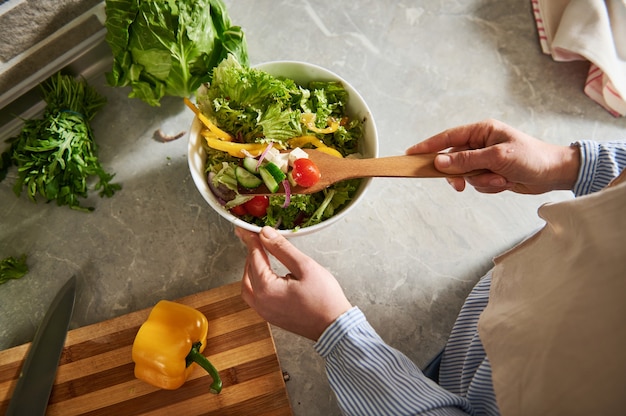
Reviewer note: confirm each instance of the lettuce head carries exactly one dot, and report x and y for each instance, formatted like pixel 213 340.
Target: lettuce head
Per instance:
pixel 169 47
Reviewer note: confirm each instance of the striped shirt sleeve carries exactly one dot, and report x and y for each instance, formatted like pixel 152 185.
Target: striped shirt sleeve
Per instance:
pixel 601 162
pixel 465 369
pixel 371 378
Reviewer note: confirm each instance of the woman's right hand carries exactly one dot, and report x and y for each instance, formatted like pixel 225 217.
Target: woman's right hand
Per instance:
pixel 515 161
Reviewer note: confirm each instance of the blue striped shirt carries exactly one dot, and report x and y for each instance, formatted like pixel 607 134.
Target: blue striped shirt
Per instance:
pixel 601 163
pixel 370 377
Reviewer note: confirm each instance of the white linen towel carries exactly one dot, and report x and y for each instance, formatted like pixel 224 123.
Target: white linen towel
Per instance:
pixel 592 30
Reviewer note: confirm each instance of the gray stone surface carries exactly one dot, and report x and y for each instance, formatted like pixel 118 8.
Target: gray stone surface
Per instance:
pixel 25 23
pixel 407 256
pixel 29 65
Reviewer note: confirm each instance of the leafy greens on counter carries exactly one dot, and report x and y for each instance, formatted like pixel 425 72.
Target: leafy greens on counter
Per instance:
pixel 56 155
pixel 13 268
pixel 169 47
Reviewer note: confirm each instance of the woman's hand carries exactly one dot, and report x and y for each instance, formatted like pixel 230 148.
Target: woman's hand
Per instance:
pixel 517 162
pixel 305 301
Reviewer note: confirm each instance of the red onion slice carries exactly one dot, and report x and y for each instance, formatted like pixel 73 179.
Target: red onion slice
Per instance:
pixel 267 149
pixel 287 193
pixel 222 195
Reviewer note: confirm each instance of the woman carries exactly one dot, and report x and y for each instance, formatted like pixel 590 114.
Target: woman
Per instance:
pixel 309 301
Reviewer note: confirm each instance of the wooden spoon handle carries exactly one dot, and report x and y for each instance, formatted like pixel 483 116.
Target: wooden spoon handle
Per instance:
pixel 409 166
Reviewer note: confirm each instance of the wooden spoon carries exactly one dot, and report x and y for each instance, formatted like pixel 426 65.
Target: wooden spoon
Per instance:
pixel 335 169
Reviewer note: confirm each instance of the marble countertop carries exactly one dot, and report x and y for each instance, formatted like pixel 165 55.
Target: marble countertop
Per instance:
pixel 409 253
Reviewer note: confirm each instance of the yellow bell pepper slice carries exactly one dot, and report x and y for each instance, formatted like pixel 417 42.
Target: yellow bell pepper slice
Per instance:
pixel 167 345
pixel 206 133
pixel 236 149
pixel 302 141
pixel 208 123
pixel 308 119
pixel 330 151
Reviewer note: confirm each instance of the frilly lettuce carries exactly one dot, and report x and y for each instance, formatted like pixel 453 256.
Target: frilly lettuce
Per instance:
pixel 169 47
pixel 252 103
pixel 256 106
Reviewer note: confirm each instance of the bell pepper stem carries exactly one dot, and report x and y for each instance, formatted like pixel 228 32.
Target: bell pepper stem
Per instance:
pixel 195 356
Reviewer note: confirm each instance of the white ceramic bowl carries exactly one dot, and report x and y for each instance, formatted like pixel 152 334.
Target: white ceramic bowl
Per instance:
pixel 301 73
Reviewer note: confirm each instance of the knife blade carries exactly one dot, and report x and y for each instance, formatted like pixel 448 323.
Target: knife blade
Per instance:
pixel 33 387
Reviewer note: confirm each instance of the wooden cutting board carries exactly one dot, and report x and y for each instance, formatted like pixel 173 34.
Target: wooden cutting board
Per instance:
pixel 95 374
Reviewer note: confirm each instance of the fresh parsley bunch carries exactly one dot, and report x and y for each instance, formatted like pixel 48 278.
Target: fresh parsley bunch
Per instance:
pixel 56 155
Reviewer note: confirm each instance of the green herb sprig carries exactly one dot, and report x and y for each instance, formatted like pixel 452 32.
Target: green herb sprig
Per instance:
pixel 12 268
pixel 56 155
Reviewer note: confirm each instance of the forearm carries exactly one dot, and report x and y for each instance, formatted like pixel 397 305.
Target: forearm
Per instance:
pixel 371 378
pixel 601 162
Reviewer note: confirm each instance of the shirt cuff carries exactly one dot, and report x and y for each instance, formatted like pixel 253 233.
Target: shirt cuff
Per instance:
pixel 338 329
pixel 600 163
pixel 588 155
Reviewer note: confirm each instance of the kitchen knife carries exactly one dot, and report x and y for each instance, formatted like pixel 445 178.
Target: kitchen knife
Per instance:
pixel 33 387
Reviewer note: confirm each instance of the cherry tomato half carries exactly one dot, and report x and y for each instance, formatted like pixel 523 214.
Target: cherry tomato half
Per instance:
pixel 257 206
pixel 239 210
pixel 305 172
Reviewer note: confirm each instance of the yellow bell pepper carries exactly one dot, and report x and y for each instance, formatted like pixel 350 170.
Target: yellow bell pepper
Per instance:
pixel 308 119
pixel 168 343
pixel 208 123
pixel 235 149
pixel 302 141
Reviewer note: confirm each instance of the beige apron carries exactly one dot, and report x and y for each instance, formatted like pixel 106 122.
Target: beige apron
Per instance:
pixel 554 329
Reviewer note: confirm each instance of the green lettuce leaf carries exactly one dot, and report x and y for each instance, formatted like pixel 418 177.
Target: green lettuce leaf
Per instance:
pixel 169 47
pixel 252 104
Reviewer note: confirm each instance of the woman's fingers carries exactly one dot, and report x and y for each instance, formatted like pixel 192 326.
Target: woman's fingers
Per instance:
pixel 469 136
pixel 247 293
pixel 285 252
pixel 258 270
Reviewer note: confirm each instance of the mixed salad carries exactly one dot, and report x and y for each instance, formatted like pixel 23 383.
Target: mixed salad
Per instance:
pixel 255 126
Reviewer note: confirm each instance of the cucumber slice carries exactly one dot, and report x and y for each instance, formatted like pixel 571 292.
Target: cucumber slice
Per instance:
pixel 250 164
pixel 247 179
pixel 268 179
pixel 275 171
pixel 292 181
pixel 272 176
